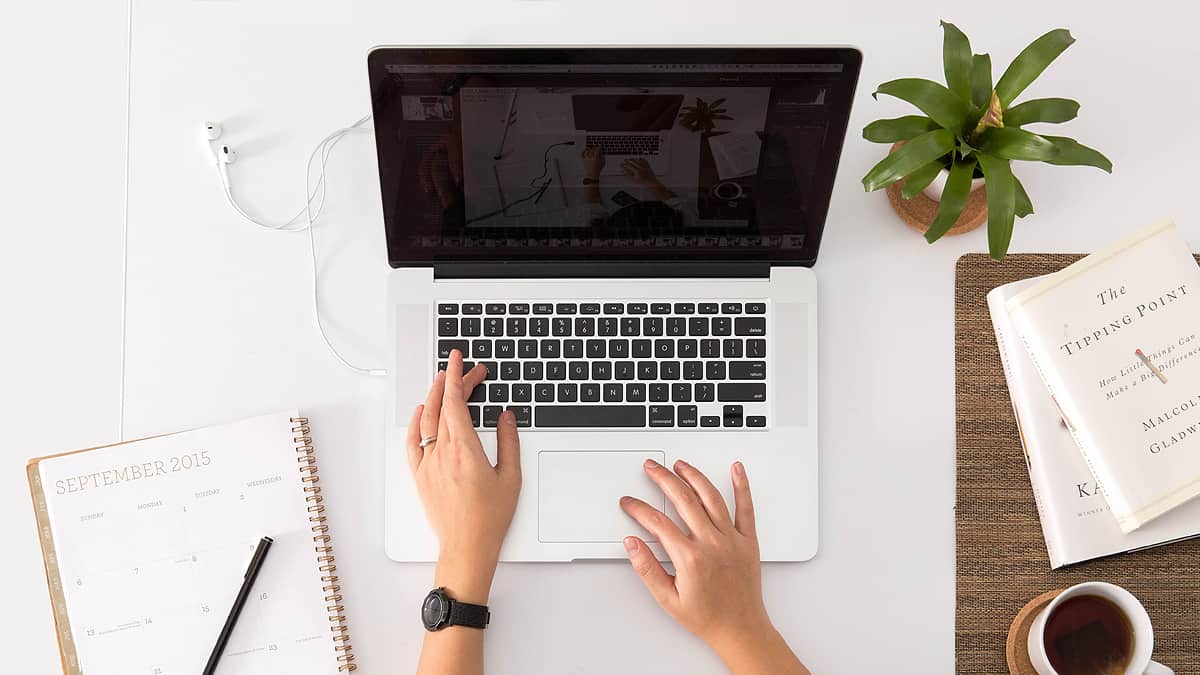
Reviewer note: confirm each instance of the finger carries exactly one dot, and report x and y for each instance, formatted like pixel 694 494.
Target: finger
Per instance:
pixel 743 505
pixel 432 410
pixel 660 584
pixel 473 379
pixel 508 447
pixel 454 403
pixel 710 497
pixel 656 522
pixel 415 453
pixel 682 496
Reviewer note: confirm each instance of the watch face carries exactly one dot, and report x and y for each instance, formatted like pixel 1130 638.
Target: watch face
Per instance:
pixel 433 611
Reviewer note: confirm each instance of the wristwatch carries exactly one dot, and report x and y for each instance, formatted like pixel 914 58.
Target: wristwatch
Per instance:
pixel 440 610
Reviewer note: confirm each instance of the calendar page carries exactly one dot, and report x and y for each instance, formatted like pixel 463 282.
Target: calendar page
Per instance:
pixel 152 539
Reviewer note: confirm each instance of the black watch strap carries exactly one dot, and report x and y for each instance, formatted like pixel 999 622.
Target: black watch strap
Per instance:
pixel 466 614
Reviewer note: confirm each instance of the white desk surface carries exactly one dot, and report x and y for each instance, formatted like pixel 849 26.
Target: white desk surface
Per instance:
pixel 205 319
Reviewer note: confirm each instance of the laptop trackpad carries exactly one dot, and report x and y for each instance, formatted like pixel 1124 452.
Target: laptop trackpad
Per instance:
pixel 579 494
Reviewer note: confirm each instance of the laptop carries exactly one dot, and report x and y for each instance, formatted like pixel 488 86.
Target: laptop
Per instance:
pixel 627 126
pixel 619 322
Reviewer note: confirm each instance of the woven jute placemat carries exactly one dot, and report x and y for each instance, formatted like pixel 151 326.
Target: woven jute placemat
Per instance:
pixel 1001 556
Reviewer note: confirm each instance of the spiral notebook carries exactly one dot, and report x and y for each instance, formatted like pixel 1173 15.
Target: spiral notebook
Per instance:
pixel 145 544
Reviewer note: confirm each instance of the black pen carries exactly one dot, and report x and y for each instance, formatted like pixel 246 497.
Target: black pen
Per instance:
pixel 256 563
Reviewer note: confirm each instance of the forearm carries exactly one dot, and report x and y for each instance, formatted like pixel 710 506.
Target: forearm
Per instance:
pixel 760 652
pixel 458 650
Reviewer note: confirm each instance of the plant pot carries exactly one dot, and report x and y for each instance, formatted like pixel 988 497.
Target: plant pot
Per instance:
pixel 919 212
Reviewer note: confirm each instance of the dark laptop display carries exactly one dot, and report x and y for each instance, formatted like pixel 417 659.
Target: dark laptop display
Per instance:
pixel 517 155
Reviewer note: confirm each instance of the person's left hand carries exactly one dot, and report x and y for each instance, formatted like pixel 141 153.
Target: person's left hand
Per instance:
pixel 639 170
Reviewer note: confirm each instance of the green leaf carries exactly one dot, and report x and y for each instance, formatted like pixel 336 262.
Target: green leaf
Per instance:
pixel 1072 153
pixel 909 157
pixel 956 59
pixel 981 80
pixel 1030 63
pixel 1053 110
pixel 933 99
pixel 1009 143
pixel 898 129
pixel 921 178
pixel 1001 202
pixel 954 198
pixel 1021 204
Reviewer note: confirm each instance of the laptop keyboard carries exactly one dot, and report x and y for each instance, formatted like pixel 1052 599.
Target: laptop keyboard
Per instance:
pixel 617 364
pixel 625 144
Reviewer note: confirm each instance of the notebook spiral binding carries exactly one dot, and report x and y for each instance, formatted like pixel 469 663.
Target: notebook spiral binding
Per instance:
pixel 323 544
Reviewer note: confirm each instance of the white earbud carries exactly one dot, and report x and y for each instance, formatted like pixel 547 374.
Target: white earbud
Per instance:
pixel 212 130
pixel 226 154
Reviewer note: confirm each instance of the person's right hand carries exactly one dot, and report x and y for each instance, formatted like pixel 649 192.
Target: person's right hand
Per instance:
pixel 593 162
pixel 716 592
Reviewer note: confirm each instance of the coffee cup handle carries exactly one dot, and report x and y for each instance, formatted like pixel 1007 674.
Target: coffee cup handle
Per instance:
pixel 1156 668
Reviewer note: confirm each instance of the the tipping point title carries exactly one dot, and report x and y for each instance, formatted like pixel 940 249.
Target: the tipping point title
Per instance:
pixel 1108 297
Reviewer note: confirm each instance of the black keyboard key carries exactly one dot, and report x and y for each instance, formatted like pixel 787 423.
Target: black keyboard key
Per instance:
pixel 442 365
pixel 756 349
pixel 660 392
pixel 523 414
pixel 614 308
pixel 731 348
pixel 589 308
pixel 585 326
pixel 518 308
pixel 572 349
pixel 676 326
pixel 709 308
pixel 731 308
pixel 491 415
pixel 687 415
pixel 698 326
pixel 732 415
pixel 493 327
pixel 566 308
pixel 543 308
pixel 494 308
pixel 681 392
pixel 589 392
pixel 543 393
pixel 471 327
pixel 647 370
pixel 577 370
pixel 669 370
pixel 447 308
pixel 568 392
pixel 481 349
pixel 527 349
pixel 596 349
pixel 493 370
pixel 601 370
pixel 635 392
pixel 515 327
pixel 643 349
pixel 551 349
pixel 756 308
pixel 714 370
pixel 741 391
pixel 748 370
pixel 444 347
pixel 498 393
pixel 693 370
pixel 472 309
pixel 522 392
pixel 710 349
pixel 618 349
pixel 607 326
pixel 705 392
pixel 662 416
pixel 710 421
pixel 560 326
pixel 539 326
pixel 750 325
pixel 553 416
pixel 721 325
pixel 660 308
pixel 686 349
pixel 510 370
pixel 624 370
pixel 533 371
pixel 506 349
pixel 613 392
pixel 664 349
pixel 685 308
pixel 556 370
pixel 652 326
pixel 447 327
pixel 636 308
pixel 476 415
pixel 478 394
pixel 756 421
pixel 631 327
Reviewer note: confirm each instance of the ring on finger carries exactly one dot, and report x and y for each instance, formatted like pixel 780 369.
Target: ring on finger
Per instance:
pixel 427 441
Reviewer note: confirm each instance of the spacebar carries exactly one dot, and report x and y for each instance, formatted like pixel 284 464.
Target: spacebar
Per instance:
pixel 589 416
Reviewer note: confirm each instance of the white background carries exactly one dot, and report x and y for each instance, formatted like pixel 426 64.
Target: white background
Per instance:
pixel 218 324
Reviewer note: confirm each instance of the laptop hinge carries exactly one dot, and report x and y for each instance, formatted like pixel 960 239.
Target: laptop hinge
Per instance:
pixel 573 269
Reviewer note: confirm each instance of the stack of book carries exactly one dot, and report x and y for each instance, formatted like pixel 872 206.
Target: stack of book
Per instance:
pixel 1103 365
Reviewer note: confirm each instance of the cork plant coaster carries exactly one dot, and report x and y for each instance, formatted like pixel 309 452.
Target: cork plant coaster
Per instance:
pixel 1017 646
pixel 919 211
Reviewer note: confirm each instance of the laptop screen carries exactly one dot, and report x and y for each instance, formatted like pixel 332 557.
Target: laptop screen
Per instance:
pixel 549 154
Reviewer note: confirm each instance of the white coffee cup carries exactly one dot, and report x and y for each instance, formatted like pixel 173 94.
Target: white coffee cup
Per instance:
pixel 1143 632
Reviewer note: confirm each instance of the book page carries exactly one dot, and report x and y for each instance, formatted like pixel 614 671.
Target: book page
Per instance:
pixel 153 539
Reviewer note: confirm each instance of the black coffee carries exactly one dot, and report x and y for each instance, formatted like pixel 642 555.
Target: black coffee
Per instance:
pixel 1089 635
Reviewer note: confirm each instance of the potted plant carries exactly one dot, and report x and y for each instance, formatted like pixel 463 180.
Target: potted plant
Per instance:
pixel 972 130
pixel 703 116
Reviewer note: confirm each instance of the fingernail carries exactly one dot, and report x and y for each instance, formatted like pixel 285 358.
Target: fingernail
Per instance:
pixel 508 416
pixel 739 469
pixel 680 462
pixel 650 464
pixel 626 499
pixel 631 545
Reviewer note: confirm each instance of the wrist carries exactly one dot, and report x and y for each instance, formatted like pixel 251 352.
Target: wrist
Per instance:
pixel 466 577
pixel 743 644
